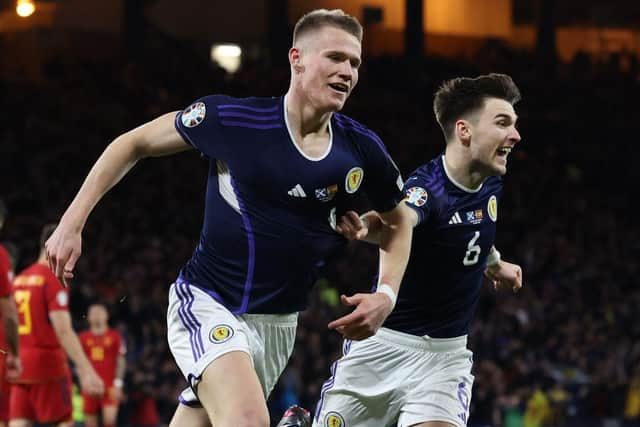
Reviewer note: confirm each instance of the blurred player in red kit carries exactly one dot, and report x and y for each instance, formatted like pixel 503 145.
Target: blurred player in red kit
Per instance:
pixel 9 362
pixel 42 392
pixel 106 350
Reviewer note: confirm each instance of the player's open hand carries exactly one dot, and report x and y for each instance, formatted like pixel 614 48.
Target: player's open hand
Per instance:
pixel 370 313
pixel 505 275
pixel 352 226
pixel 14 367
pixel 63 249
pixel 91 383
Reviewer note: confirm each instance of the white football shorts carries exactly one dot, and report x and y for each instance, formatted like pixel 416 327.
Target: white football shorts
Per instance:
pixel 397 378
pixel 200 329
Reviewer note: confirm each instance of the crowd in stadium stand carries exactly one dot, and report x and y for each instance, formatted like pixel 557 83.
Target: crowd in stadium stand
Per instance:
pixel 565 351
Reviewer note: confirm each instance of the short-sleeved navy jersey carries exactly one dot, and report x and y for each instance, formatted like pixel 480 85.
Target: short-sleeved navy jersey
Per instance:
pixel 268 205
pixel 454 235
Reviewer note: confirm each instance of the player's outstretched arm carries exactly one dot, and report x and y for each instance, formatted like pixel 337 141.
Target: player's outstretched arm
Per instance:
pixel 395 244
pixel 371 310
pixel 156 138
pixel 9 316
pixel 90 382
pixel 118 382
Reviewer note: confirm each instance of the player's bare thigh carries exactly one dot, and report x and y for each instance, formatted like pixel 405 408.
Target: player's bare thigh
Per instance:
pixel 230 393
pixel 109 415
pixel 434 424
pixel 90 420
pixel 23 422
pixel 186 416
pixel 20 422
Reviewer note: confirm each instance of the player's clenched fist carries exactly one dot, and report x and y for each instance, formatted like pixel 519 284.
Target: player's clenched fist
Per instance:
pixel 352 226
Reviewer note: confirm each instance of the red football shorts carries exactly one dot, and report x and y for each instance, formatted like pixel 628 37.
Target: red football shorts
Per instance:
pixel 4 391
pixel 43 402
pixel 4 402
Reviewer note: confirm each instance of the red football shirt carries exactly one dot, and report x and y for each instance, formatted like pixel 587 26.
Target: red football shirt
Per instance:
pixel 38 292
pixel 103 351
pixel 5 291
pixel 5 273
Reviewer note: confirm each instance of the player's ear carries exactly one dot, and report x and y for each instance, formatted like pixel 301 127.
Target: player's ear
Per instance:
pixel 463 131
pixel 295 60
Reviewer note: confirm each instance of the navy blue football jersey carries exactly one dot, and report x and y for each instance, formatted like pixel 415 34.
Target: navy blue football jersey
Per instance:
pixel 454 235
pixel 269 207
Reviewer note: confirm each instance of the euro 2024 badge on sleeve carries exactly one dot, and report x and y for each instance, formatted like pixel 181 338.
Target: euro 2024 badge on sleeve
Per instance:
pixel 417 196
pixel 194 115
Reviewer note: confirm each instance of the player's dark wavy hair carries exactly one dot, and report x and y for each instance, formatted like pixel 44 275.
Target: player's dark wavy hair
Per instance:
pixel 327 18
pixel 463 95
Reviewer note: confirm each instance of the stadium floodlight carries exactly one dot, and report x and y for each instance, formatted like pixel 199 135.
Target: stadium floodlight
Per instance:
pixel 25 8
pixel 228 56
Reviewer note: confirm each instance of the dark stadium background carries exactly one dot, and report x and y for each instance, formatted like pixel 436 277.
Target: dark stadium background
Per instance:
pixel 76 74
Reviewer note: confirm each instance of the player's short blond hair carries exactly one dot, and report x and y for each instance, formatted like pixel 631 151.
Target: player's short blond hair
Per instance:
pixel 320 18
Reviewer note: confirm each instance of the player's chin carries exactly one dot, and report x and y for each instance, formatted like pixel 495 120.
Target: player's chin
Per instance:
pixel 336 105
pixel 495 170
pixel 499 167
pixel 337 101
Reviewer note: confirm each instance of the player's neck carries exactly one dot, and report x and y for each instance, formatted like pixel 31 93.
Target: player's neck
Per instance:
pixel 303 118
pixel 99 330
pixel 42 259
pixel 460 171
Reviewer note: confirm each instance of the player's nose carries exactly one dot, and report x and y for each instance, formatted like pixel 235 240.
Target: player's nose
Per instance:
pixel 346 71
pixel 515 135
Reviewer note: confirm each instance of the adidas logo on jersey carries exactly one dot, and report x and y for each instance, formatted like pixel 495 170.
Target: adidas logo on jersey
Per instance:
pixel 297 191
pixel 455 219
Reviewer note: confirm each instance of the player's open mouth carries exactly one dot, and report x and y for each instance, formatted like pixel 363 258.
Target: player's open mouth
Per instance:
pixel 339 87
pixel 503 151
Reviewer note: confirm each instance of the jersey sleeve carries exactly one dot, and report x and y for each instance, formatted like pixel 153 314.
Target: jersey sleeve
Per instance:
pixel 382 183
pixel 5 273
pixel 122 348
pixel 200 127
pixel 417 197
pixel 56 295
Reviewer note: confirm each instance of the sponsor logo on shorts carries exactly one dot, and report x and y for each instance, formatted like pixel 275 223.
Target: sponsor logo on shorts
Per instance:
pixel 334 419
pixel 417 196
pixel 492 208
pixel 220 334
pixel 194 115
pixel 354 179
